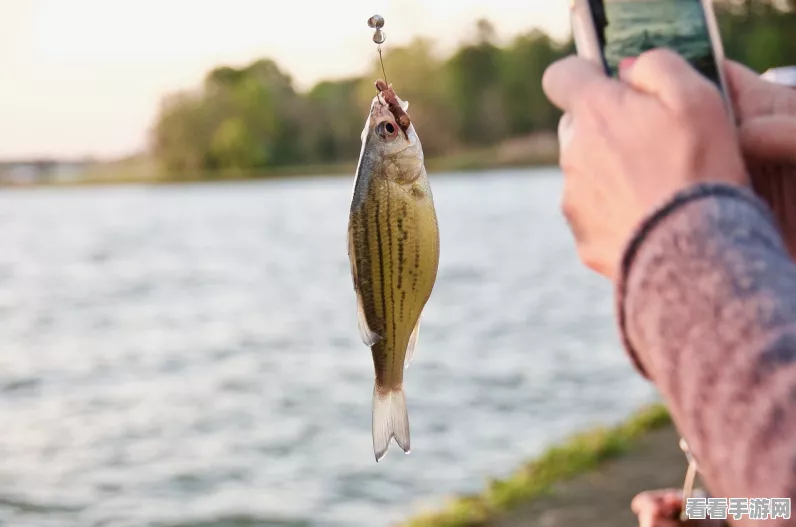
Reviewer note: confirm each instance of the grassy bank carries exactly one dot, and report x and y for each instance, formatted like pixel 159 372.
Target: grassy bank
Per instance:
pixel 582 453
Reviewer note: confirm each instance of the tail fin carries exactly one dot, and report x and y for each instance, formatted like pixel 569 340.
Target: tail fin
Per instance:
pixel 389 420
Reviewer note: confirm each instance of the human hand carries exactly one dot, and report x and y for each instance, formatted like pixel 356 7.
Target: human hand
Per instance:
pixel 627 147
pixel 766 114
pixel 661 508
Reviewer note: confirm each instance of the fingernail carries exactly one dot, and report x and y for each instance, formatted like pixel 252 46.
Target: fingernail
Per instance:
pixel 625 64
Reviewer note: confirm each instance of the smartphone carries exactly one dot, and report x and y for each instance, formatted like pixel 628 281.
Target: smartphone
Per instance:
pixel 607 31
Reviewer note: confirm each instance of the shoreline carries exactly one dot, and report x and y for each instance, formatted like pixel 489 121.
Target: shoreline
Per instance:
pixel 567 480
pixel 539 150
pixel 99 183
pixel 296 173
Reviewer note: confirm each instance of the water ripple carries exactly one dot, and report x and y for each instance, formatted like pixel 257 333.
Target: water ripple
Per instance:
pixel 189 356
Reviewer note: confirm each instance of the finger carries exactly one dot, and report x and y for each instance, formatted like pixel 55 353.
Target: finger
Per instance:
pixel 754 96
pixel 646 519
pixel 737 74
pixel 771 139
pixel 566 131
pixel 664 501
pixel 566 79
pixel 571 206
pixel 645 500
pixel 671 504
pixel 649 519
pixel 568 208
pixel 745 88
pixel 669 77
pixel 658 522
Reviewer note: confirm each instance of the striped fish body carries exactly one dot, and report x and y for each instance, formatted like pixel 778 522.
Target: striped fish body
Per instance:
pixel 393 240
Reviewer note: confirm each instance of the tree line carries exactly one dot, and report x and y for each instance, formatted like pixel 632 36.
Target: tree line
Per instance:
pixel 254 118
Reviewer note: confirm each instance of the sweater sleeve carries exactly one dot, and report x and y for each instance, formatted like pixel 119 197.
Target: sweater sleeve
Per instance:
pixel 706 303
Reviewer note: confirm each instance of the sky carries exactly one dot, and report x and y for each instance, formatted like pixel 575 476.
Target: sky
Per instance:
pixel 85 77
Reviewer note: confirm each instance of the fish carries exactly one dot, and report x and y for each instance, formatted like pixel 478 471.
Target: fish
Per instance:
pixel 393 248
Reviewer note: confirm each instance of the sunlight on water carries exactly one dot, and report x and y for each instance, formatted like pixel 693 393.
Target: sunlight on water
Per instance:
pixel 189 355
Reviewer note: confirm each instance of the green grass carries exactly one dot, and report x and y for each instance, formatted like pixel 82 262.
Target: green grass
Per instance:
pixel 582 453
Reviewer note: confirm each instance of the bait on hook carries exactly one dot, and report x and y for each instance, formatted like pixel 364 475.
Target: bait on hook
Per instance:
pixel 379 36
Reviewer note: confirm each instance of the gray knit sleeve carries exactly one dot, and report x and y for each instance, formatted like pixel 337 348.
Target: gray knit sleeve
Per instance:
pixel 706 302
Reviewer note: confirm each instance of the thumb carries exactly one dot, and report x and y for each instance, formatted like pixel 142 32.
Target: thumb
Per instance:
pixel 568 79
pixel 666 75
pixel 770 138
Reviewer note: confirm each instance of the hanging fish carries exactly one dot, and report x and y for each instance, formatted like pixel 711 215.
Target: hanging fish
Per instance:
pixel 393 246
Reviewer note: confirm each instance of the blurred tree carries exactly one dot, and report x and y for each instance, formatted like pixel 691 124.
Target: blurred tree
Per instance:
pixel 758 33
pixel 336 120
pixel 524 62
pixel 474 76
pixel 182 134
pixel 418 78
pixel 243 118
pixel 252 117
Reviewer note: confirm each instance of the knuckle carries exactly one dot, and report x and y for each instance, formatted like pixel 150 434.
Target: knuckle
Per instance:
pixel 569 160
pixel 567 207
pixel 588 257
pixel 571 211
pixel 566 133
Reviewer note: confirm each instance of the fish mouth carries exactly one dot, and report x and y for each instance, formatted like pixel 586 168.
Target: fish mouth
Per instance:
pixel 388 98
pixel 380 111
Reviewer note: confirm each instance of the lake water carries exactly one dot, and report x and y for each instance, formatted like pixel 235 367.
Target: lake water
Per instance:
pixel 189 355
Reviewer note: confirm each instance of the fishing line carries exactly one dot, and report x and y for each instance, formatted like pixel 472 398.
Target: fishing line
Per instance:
pixel 381 60
pixel 379 36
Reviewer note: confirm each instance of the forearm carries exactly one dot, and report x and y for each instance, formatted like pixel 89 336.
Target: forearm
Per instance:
pixel 707 308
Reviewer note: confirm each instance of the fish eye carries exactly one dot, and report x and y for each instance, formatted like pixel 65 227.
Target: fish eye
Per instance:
pixel 387 130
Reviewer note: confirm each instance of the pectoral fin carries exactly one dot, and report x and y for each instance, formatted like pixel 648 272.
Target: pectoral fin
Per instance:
pixel 410 349
pixel 369 337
